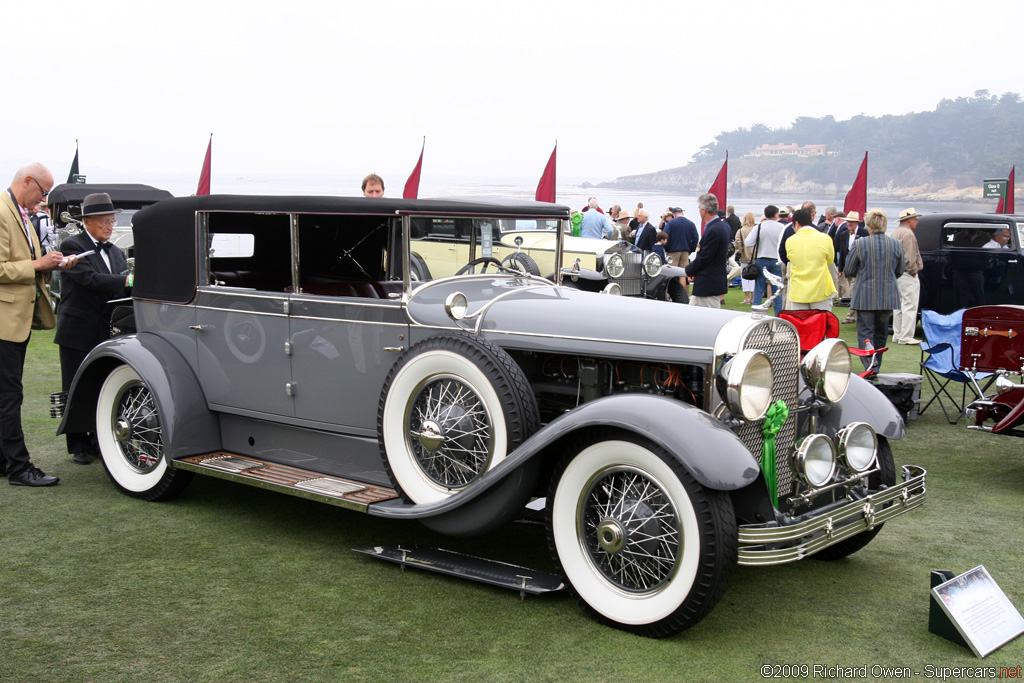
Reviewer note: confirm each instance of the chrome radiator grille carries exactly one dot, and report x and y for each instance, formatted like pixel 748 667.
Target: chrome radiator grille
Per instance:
pixel 632 280
pixel 780 341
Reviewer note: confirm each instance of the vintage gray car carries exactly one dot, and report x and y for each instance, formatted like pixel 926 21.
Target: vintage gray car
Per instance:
pixel 284 342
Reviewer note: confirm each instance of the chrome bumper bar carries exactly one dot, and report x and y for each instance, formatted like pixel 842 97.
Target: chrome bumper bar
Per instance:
pixel 772 544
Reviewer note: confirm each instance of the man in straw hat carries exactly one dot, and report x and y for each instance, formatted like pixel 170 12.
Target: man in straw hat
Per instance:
pixel 845 237
pixel 83 317
pixel 23 271
pixel 904 318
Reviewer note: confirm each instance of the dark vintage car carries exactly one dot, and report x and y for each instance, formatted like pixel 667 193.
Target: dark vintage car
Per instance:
pixel 129 197
pixel 970 259
pixel 284 343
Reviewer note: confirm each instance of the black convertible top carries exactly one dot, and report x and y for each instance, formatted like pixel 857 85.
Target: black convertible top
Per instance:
pixel 124 195
pixel 165 233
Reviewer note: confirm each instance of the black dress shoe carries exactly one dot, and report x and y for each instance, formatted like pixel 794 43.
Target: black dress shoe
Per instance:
pixel 33 476
pixel 82 459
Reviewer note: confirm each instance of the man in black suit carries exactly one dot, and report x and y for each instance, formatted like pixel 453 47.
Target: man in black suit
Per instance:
pixel 707 268
pixel 83 319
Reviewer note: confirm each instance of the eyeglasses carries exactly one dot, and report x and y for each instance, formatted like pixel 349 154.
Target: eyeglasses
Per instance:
pixel 45 192
pixel 106 222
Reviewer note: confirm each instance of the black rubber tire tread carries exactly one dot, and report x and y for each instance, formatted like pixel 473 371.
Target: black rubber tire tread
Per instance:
pixel 419 267
pixel 170 485
pixel 886 475
pixel 719 541
pixel 524 260
pixel 675 291
pixel 522 415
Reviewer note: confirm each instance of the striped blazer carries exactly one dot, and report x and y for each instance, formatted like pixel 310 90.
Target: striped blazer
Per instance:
pixel 876 261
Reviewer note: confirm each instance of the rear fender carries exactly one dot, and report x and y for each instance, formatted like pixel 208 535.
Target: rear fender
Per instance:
pixel 189 428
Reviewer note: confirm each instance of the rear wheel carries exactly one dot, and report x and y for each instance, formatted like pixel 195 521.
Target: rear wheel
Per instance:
pixel 130 436
pixel 886 475
pixel 645 548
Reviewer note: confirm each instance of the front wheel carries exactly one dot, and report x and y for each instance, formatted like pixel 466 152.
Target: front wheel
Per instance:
pixel 130 436
pixel 676 292
pixel 645 548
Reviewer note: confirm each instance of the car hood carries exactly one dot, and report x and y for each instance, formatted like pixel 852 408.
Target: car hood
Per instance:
pixel 521 314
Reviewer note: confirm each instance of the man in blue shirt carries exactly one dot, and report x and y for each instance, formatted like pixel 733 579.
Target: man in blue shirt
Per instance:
pixel 595 224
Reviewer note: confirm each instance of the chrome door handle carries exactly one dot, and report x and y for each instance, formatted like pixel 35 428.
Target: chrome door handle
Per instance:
pixel 197 328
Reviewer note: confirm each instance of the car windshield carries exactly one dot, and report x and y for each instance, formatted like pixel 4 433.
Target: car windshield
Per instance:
pixel 446 246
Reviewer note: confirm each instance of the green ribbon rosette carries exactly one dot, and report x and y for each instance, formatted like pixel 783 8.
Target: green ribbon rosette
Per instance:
pixel 773 422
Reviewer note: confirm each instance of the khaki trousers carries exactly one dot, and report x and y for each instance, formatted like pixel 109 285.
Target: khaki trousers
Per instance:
pixel 904 319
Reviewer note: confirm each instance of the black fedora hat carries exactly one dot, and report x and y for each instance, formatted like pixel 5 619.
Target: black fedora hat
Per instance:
pixel 98 204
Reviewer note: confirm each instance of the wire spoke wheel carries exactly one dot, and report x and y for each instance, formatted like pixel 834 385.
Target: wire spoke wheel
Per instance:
pixel 631 529
pixel 644 547
pixel 131 438
pixel 136 427
pixel 450 432
pixel 452 408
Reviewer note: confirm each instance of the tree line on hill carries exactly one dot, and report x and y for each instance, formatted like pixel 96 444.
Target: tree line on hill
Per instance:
pixel 961 142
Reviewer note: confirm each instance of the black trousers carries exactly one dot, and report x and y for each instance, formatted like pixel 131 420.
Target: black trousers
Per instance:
pixel 13 452
pixel 70 360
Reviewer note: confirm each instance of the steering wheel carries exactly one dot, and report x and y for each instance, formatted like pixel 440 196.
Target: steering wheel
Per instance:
pixel 486 261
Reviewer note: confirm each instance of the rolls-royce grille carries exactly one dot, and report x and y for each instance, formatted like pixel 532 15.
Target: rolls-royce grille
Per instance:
pixel 632 280
pixel 780 341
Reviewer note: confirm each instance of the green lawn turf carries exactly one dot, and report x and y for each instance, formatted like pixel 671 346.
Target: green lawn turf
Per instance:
pixel 231 583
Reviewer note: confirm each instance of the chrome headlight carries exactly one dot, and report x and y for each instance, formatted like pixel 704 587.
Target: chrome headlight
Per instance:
pixel 826 369
pixel 857 446
pixel 612 288
pixel 456 305
pixel 652 264
pixel 614 267
pixel 814 460
pixel 745 384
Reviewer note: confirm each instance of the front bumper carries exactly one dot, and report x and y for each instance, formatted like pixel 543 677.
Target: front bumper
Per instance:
pixel 762 544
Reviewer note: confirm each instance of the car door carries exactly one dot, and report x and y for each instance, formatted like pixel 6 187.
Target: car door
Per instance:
pixel 242 325
pixel 347 323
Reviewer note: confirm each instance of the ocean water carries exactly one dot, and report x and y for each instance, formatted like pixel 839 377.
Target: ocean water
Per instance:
pixel 568 192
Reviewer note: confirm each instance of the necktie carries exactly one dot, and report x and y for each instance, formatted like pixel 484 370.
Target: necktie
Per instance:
pixel 105 246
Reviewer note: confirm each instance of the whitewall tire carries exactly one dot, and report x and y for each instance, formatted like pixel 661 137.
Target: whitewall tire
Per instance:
pixel 644 547
pixel 130 436
pixel 452 408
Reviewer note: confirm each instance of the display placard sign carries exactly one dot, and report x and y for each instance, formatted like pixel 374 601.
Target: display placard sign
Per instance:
pixel 980 610
pixel 995 188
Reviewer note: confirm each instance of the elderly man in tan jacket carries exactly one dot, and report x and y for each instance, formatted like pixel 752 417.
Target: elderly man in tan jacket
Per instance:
pixel 23 267
pixel 904 318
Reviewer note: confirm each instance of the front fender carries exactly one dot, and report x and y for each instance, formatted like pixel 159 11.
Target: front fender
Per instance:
pixel 865 403
pixel 709 451
pixel 189 428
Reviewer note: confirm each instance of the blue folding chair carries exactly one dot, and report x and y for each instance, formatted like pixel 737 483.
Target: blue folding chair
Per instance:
pixel 940 363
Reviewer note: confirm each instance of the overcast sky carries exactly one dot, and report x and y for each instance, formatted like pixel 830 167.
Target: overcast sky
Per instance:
pixel 348 88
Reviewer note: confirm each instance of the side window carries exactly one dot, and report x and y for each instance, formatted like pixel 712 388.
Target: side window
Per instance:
pixel 345 255
pixel 249 251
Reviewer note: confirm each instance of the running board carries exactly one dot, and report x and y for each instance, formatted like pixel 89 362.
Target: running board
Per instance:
pixel 522 579
pixel 345 493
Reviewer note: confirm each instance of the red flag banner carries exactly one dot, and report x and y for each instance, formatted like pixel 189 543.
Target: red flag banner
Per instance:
pixel 204 176
pixel 718 187
pixel 857 197
pixel 412 185
pixel 546 186
pixel 1006 204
